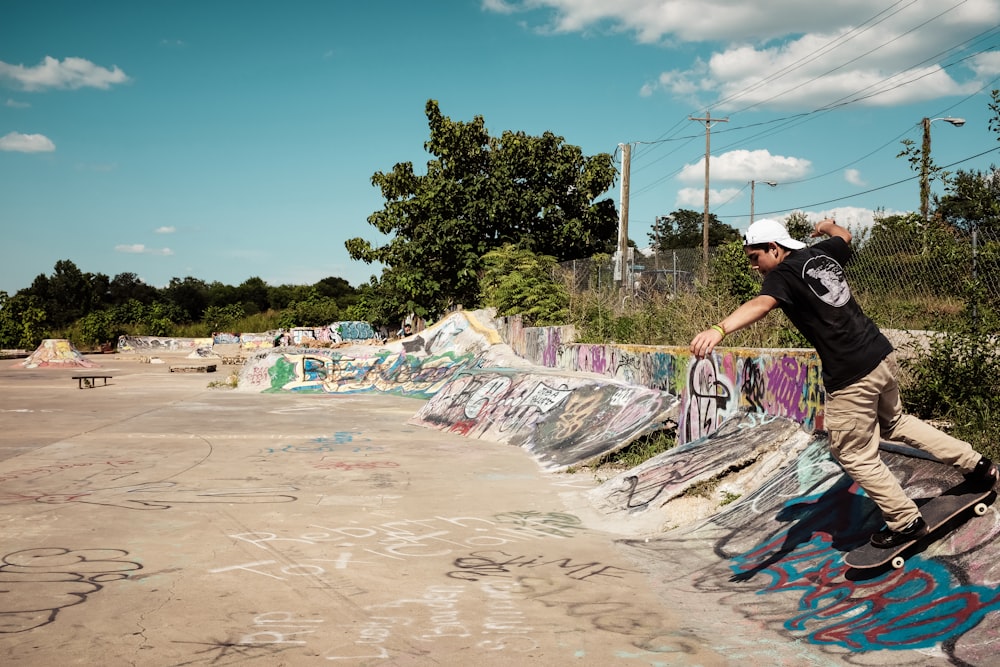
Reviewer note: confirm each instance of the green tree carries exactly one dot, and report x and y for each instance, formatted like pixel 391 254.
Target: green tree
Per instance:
pixel 731 272
pixel 128 286
pixel 69 293
pixel 684 228
pixel 313 311
pixel 252 294
pixel 280 296
pixel 189 295
pixel 98 326
pixel 223 318
pixel 22 321
pixel 478 193
pixel 971 200
pixel 798 226
pixel 517 281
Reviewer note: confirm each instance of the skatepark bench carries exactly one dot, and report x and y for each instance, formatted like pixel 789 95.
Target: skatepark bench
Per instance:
pixel 89 380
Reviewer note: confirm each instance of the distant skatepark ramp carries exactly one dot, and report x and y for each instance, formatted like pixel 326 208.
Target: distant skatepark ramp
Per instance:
pixel 57 353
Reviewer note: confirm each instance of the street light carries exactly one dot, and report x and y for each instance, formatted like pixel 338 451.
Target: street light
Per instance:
pixel 925 162
pixel 752 187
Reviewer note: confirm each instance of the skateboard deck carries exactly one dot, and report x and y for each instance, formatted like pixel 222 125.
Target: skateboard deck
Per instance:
pixel 936 512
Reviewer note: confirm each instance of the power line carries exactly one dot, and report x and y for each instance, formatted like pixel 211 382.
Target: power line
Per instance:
pixel 864 192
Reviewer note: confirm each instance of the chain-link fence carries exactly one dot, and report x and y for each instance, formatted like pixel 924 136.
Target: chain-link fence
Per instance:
pixel 928 278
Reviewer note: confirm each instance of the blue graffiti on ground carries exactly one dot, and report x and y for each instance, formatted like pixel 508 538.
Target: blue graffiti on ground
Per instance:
pixel 920 605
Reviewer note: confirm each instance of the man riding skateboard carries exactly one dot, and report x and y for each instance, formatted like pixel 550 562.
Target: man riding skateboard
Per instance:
pixel 859 369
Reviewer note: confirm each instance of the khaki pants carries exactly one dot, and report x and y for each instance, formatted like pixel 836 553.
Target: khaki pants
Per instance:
pixel 869 410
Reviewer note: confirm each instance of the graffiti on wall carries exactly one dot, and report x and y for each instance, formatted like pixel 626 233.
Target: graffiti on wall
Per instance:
pixel 329 372
pixel 563 421
pixel 712 389
pixel 161 343
pixel 738 442
pixel 783 384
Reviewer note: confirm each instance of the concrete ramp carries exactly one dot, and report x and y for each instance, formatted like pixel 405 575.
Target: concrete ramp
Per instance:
pixel 775 557
pixel 741 456
pixel 416 366
pixel 336 371
pixel 562 420
pixel 57 353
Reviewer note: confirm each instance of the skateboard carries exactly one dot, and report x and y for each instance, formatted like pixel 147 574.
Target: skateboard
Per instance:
pixel 936 512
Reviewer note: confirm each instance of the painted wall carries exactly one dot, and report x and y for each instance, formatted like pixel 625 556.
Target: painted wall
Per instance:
pixel 782 383
pixel 161 343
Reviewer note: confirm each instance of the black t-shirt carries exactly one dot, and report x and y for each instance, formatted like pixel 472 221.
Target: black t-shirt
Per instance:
pixel 812 290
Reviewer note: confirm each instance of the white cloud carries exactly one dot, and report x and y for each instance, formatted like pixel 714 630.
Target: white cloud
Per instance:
pixel 140 249
pixel 14 104
pixel 851 217
pixel 744 166
pixel 853 176
pixel 694 198
pixel 789 54
pixel 987 64
pixel 26 143
pixel 70 73
pixel 166 229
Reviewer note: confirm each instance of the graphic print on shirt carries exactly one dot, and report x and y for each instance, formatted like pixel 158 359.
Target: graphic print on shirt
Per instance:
pixel 826 279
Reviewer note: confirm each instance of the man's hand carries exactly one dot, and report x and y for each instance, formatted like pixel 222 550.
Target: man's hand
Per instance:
pixel 829 227
pixel 703 344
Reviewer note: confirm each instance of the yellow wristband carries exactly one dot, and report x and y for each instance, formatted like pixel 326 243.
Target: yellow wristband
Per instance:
pixel 718 327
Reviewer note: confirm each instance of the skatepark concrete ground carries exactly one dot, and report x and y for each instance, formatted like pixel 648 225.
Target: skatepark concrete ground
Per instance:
pixel 160 521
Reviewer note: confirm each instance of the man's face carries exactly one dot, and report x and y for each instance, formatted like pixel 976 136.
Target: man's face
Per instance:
pixel 764 260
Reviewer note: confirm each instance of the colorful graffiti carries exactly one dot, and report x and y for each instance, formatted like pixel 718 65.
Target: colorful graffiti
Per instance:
pixel 563 421
pixel 789 537
pixel 330 372
pixel 353 330
pixel 713 389
pixel 740 441
pixel 157 343
pixel 782 383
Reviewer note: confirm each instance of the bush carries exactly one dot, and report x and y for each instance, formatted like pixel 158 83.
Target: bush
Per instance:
pixel 958 381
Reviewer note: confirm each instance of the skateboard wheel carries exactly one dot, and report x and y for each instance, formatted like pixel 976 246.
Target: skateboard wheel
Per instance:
pixel 898 562
pixel 980 509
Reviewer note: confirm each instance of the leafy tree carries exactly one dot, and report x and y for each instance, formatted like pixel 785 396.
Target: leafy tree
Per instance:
pixel 334 288
pixel 798 226
pixel 128 286
pixel 223 318
pixel 971 200
pixel 684 228
pixel 98 327
pixel 68 293
pixel 130 312
pixel 189 295
pixel 517 281
pixel 732 274
pixel 313 311
pixel 478 193
pixel 22 321
pixel 252 293
pixel 280 296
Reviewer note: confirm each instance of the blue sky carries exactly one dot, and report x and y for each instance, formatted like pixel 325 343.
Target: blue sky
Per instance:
pixel 230 139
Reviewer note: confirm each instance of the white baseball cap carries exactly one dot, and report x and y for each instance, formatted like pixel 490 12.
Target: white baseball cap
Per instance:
pixel 767 230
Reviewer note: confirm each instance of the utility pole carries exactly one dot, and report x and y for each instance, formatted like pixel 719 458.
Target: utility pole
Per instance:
pixel 707 120
pixel 925 163
pixel 753 185
pixel 623 219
